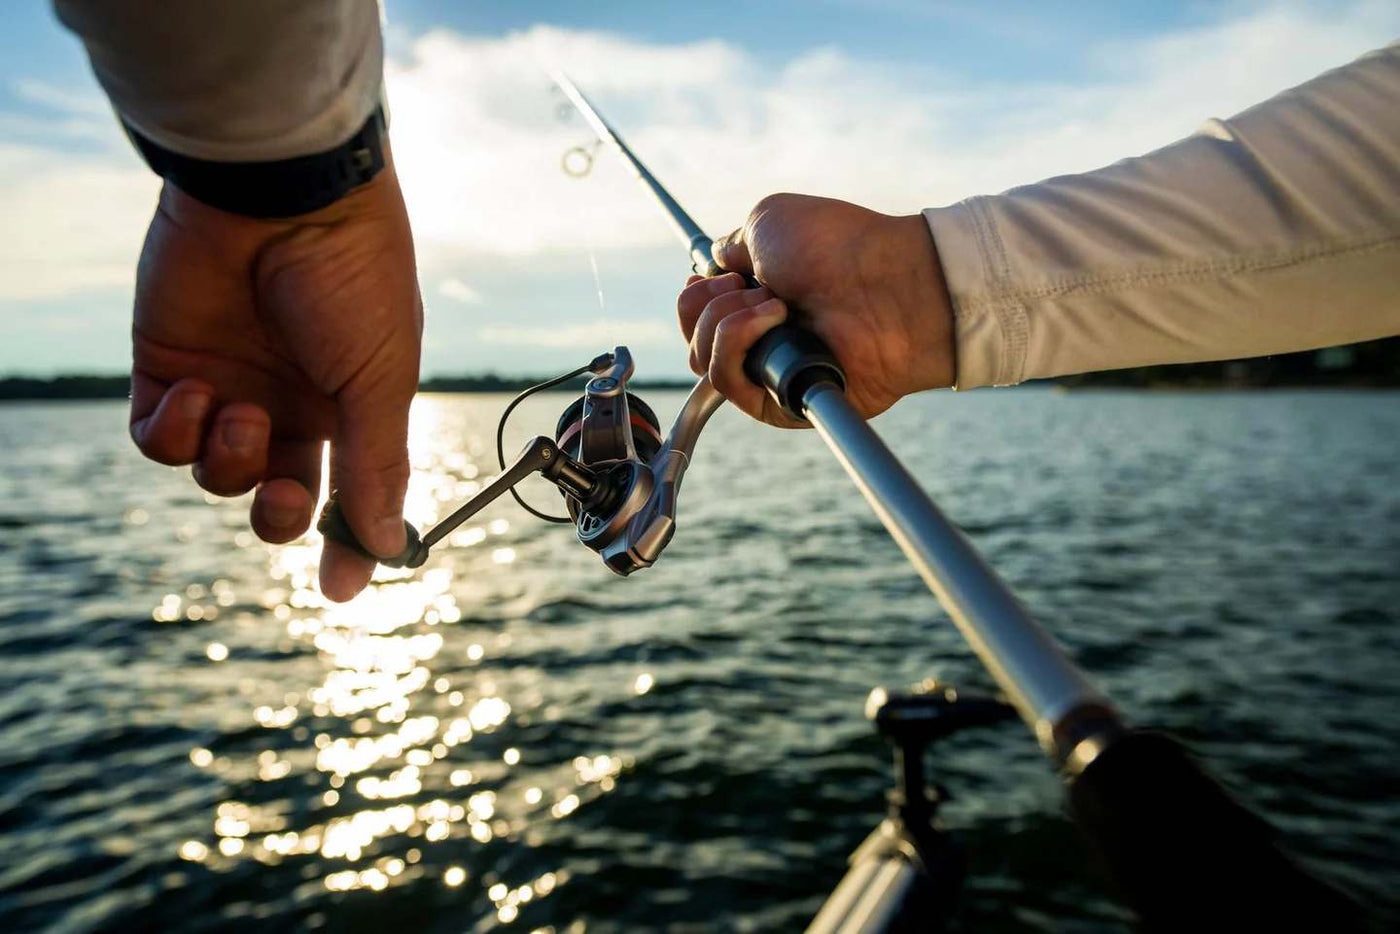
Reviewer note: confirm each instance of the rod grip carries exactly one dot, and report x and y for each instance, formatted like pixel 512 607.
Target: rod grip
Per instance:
pixel 336 528
pixel 788 360
pixel 1189 857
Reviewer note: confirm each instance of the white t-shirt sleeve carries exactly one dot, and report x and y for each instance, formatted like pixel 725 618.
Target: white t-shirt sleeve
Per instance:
pixel 235 80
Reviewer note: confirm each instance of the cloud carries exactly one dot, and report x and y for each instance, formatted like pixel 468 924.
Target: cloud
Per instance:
pixel 75 222
pixel 479 143
pixel 87 102
pixel 459 291
pixel 601 333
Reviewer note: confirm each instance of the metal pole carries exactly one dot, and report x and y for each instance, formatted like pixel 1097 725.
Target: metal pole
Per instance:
pixel 1043 684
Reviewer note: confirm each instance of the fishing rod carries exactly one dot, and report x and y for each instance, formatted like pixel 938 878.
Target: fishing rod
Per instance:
pixel 1185 855
pixel 1182 850
pixel 806 381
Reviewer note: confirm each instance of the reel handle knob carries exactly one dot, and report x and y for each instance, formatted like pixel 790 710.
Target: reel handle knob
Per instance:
pixel 540 456
pixel 788 360
pixel 336 528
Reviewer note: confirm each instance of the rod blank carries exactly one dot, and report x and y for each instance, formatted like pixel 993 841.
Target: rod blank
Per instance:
pixel 1042 683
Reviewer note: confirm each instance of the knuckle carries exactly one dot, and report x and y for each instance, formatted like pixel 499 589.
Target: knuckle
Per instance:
pixel 724 327
pixel 160 450
pixel 707 322
pixel 385 474
pixel 393 474
pixel 722 381
pixel 221 483
pixel 770 204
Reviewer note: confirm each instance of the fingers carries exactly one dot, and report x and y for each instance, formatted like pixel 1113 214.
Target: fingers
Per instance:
pixel 167 422
pixel 343 573
pixel 234 455
pixel 732 252
pixel 369 463
pixel 180 424
pixel 716 311
pixel 698 292
pixel 734 336
pixel 284 504
pixel 369 473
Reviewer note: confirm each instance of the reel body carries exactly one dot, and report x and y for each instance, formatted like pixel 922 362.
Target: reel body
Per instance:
pixel 619 476
pixel 614 433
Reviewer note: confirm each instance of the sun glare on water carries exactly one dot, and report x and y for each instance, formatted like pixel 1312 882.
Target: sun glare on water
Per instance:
pixel 375 770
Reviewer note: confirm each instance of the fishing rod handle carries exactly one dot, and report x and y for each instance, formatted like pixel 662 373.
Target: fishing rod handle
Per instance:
pixel 1186 855
pixel 336 528
pixel 788 361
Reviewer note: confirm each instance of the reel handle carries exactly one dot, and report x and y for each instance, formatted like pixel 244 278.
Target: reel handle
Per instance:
pixel 336 528
pixel 540 456
pixel 788 360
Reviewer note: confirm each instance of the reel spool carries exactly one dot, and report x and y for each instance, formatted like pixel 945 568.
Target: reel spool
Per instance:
pixel 646 428
pixel 621 475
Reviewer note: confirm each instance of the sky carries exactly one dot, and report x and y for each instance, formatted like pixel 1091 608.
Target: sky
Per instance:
pixel 894 104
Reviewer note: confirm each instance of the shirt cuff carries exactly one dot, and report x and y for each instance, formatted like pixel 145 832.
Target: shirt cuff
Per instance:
pixel 989 322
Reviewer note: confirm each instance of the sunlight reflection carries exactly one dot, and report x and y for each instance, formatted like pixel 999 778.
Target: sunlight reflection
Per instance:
pixel 378 753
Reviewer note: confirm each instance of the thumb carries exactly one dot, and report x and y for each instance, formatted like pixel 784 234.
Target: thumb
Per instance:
pixel 369 464
pixel 731 253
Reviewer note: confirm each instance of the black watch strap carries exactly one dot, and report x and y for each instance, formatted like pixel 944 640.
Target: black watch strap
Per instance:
pixel 281 188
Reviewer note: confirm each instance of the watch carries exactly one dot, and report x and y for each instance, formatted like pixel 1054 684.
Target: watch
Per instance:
pixel 275 189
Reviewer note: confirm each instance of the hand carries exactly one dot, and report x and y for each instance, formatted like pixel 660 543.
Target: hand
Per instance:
pixel 255 341
pixel 870 285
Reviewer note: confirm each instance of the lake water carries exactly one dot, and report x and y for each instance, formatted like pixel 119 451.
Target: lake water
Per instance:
pixel 515 740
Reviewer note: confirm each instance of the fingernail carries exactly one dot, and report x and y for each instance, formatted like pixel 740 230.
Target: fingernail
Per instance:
pixel 281 516
pixel 389 535
pixel 193 405
pixel 771 309
pixel 242 437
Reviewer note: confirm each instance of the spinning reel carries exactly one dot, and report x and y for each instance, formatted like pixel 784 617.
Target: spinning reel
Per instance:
pixel 618 475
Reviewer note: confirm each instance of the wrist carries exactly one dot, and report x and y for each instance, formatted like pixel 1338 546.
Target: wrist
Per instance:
pixel 916 292
pixel 276 189
pixel 374 197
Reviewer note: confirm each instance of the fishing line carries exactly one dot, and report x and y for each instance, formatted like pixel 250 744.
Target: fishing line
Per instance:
pixel 596 364
pixel 593 265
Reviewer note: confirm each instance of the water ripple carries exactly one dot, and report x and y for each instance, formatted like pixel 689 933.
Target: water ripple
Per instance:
pixel 193 741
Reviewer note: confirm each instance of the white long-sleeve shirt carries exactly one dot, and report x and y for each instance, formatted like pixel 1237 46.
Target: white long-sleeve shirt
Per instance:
pixel 1275 230
pixel 235 80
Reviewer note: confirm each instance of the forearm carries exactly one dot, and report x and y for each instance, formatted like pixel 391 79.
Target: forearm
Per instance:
pixel 235 80
pixel 1276 230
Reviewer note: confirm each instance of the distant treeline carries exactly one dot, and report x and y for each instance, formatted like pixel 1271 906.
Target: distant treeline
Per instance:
pixel 1372 365
pixel 14 388
pixel 493 383
pixel 1375 364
